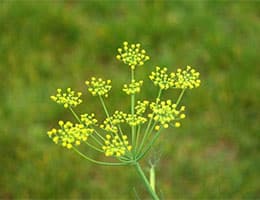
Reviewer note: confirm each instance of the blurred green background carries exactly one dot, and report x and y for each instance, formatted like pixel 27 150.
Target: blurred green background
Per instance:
pixel 49 44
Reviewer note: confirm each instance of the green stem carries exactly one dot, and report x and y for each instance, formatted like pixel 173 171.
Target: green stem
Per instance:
pixel 75 115
pixel 133 112
pixel 100 136
pixel 149 124
pixel 93 147
pixel 149 146
pixel 96 140
pixel 180 97
pixel 138 135
pixel 106 111
pixel 104 105
pixel 146 182
pixel 149 135
pixel 100 162
pixel 152 177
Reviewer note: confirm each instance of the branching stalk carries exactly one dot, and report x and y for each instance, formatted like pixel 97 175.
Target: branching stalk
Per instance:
pixel 146 182
pixel 100 162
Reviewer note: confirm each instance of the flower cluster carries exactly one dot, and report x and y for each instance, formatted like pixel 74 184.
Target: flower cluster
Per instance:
pixel 109 136
pixel 99 87
pixel 69 134
pixel 164 112
pixel 132 55
pixel 133 87
pixel 116 146
pixel 182 79
pixel 187 78
pixel 111 122
pixel 88 120
pixel 135 120
pixel 162 79
pixel 107 126
pixel 117 118
pixel 141 107
pixel 69 98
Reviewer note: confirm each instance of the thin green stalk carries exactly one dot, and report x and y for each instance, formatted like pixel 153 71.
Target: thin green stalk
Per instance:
pixel 149 124
pixel 104 105
pixel 124 159
pixel 149 146
pixel 138 134
pixel 96 140
pixel 148 135
pixel 133 112
pixel 93 147
pixel 146 182
pixel 152 128
pixel 107 113
pixel 75 115
pixel 100 136
pixel 133 127
pixel 152 177
pixel 180 97
pixel 100 162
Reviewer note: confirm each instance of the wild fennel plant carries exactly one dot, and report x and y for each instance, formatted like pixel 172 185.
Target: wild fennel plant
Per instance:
pixel 145 120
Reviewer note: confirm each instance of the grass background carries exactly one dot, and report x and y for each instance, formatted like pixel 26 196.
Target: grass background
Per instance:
pixel 49 44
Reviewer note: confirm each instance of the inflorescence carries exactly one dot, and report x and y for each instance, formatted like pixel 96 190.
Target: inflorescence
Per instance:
pixel 116 146
pixel 182 79
pixel 70 134
pixel 132 55
pixel 165 112
pixel 99 87
pixel 162 79
pixel 109 135
pixel 69 99
pixel 133 87
pixel 187 78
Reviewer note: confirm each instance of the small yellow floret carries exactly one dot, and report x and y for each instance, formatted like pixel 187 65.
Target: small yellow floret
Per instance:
pixel 61 122
pixel 182 116
pixel 165 126
pixel 157 127
pixel 177 124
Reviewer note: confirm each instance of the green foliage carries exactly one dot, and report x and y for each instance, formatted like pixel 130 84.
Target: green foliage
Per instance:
pixel 46 45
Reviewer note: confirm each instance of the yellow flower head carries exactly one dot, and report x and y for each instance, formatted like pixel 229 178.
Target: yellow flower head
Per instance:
pixel 88 120
pixel 69 98
pixel 141 107
pixel 69 134
pixel 187 78
pixel 116 146
pixel 165 112
pixel 162 79
pixel 132 55
pixel 110 123
pixel 133 87
pixel 135 120
pixel 99 87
